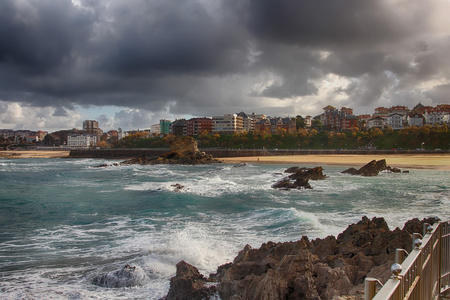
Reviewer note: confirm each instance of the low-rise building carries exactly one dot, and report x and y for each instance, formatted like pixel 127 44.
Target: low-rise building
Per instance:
pixel 415 119
pixel 395 121
pixel 273 125
pixel 81 140
pixel 376 122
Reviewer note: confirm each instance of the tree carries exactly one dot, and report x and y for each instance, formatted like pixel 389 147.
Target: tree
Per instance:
pixel 300 122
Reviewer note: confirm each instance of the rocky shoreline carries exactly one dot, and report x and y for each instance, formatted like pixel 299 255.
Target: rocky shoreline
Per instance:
pixel 329 268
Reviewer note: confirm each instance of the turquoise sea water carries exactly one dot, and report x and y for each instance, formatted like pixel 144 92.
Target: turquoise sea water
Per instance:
pixel 63 222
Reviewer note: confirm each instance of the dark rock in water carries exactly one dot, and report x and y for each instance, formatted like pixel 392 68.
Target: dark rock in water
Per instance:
pixel 177 187
pixel 315 173
pixel 370 169
pixel 188 283
pixel 318 269
pixel 299 178
pixel 351 171
pixel 126 277
pixel 405 171
pixel 240 165
pixel 396 170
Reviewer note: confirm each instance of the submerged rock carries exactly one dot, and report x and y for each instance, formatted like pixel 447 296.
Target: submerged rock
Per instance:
pixel 126 277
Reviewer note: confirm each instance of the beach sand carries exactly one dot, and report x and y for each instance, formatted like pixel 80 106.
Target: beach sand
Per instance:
pixel 34 154
pixel 410 161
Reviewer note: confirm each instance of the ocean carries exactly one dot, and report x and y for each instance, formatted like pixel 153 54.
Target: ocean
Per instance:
pixel 63 222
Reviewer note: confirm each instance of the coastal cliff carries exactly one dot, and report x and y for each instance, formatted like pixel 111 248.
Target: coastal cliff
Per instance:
pixel 329 268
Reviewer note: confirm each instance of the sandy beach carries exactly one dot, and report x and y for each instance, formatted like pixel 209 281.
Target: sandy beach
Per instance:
pixel 34 154
pixel 410 161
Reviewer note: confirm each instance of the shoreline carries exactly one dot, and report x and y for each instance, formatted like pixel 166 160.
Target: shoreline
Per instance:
pixel 438 161
pixel 409 161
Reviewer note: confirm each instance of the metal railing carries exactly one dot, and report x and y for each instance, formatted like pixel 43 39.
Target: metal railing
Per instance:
pixel 423 274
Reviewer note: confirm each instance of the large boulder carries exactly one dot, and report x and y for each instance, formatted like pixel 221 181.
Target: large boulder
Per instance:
pixel 299 178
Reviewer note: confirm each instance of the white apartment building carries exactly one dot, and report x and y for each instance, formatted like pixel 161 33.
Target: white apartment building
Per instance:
pixel 229 123
pixel 415 120
pixel 376 122
pixel 81 140
pixel 156 129
pixel 395 121
pixel 433 116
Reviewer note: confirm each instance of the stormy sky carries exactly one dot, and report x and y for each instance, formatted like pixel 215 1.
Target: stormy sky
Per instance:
pixel 130 63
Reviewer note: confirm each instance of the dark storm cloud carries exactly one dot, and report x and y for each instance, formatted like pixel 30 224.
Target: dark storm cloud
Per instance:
pixel 332 23
pixel 206 55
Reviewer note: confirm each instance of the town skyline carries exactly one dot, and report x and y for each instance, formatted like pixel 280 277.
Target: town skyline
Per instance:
pixel 382 117
pixel 127 64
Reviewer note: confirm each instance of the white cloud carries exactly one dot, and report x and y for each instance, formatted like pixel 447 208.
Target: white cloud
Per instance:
pixel 15 115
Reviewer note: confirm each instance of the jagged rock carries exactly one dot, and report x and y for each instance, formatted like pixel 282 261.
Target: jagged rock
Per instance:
pixel 183 150
pixel 126 277
pixel 188 283
pixel 299 178
pixel 329 268
pixel 370 169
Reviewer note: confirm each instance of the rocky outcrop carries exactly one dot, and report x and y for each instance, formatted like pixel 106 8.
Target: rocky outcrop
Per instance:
pixel 188 283
pixel 183 150
pixel 371 169
pixel 299 178
pixel 318 269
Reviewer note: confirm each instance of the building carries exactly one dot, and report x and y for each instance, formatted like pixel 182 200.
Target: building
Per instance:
pixel 395 121
pixel 32 139
pixel 81 140
pixel 249 122
pixel 196 126
pixel 376 122
pixel 155 129
pixel 229 123
pixel 121 133
pixel 178 127
pixel 91 127
pixel 381 112
pixel 164 126
pixel 274 125
pixel 308 121
pixel 398 109
pixel 333 119
pixel 415 119
pixel 434 116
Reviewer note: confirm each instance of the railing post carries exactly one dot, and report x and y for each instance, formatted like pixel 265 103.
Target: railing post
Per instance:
pixel 400 255
pixel 370 288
